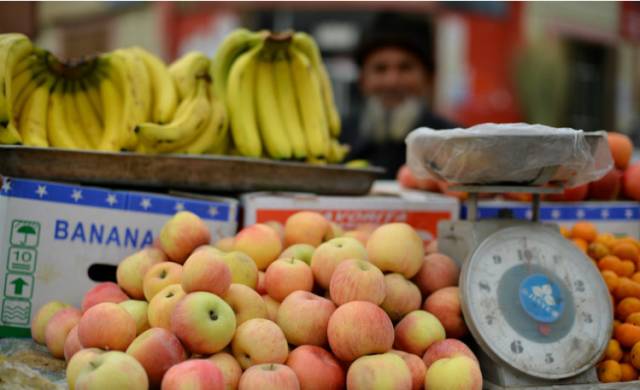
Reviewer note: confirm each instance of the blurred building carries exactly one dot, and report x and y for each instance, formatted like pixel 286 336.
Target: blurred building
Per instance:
pixel 560 63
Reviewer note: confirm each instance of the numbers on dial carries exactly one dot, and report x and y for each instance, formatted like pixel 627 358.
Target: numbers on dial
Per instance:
pixel 484 286
pixel 548 358
pixel 586 317
pixel 490 318
pixel 516 347
pixel 497 259
pixel 579 285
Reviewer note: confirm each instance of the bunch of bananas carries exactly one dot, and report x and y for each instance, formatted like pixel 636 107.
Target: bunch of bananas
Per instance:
pixel 279 97
pixel 127 99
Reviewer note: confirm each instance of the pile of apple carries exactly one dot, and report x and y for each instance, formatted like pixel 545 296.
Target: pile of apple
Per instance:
pixel 299 306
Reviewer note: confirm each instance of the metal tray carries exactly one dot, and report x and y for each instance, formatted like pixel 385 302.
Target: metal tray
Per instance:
pixel 182 172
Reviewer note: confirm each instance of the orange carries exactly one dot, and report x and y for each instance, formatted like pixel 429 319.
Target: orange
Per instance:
pixel 625 250
pixel 626 307
pixel 636 277
pixel 581 244
pixel 584 230
pixel 629 373
pixel 611 263
pixel 621 148
pixel 627 268
pixel 635 355
pixel 565 232
pixel 633 318
pixel 626 357
pixel 613 351
pixel 607 239
pixel 609 371
pixel 627 335
pixel 626 288
pixel 597 250
pixel 611 279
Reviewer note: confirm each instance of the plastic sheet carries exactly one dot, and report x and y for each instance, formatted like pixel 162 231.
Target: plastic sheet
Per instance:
pixel 515 153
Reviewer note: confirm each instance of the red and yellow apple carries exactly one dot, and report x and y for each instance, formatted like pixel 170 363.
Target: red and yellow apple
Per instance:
pixel 357 280
pixel 327 256
pixel 260 242
pixel 243 269
pixel 139 311
pixel 417 331
pixel 285 276
pixel 416 367
pixel 229 367
pixel 206 271
pixel 200 374
pixel 396 247
pixel 437 271
pixel 269 376
pixel 103 292
pixel 458 372
pixel 401 296
pixel 304 318
pixel 157 350
pixel 112 370
pixel 259 341
pixel 107 326
pixel 316 368
pixel 183 233
pixel 58 328
pixel 131 270
pixel 42 317
pixel 445 304
pixel 160 276
pixel 306 227
pixel 382 371
pixel 245 302
pixel 162 305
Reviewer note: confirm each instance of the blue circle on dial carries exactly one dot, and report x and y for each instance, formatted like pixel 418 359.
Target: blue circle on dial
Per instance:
pixel 541 298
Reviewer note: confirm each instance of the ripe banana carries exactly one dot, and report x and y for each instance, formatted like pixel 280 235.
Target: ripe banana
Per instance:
pixel 74 125
pixel 163 89
pixel 13 49
pixel 207 139
pixel 187 70
pixel 58 132
pixel 337 151
pixel 221 142
pixel 237 42
pixel 21 79
pixel 270 119
pixel 191 117
pixel 91 85
pixel 240 103
pixel 115 101
pixel 309 94
pixel 89 119
pixel 288 104
pixel 306 44
pixel 32 122
pixel 39 75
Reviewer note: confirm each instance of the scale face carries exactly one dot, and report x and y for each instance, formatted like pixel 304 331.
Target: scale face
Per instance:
pixel 536 303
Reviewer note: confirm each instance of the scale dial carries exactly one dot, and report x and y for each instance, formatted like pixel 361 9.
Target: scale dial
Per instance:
pixel 535 303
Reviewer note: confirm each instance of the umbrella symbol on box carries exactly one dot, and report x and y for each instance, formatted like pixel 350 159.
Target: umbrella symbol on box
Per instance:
pixel 26 230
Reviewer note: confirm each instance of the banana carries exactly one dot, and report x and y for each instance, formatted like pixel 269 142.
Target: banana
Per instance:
pixel 221 143
pixel 270 122
pixel 240 103
pixel 89 118
pixel 39 74
pixel 32 122
pixel 211 134
pixel 163 89
pixel 305 43
pixel 21 80
pixel 187 70
pixel 116 93
pixel 74 125
pixel 58 132
pixel 288 105
pixel 337 151
pixel 190 118
pixel 236 43
pixel 13 49
pixel 309 94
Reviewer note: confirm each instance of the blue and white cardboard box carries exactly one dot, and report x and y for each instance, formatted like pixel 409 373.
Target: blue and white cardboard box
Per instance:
pixel 52 236
pixel 620 218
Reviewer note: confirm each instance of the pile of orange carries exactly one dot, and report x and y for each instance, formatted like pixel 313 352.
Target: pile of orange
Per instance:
pixel 618 259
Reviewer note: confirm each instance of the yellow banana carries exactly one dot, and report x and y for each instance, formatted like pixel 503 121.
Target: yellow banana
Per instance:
pixel 270 121
pixel 164 93
pixel 33 118
pixel 13 49
pixel 117 106
pixel 191 116
pixel 305 43
pixel 221 142
pixel 309 94
pixel 74 124
pixel 240 103
pixel 22 79
pixel 337 151
pixel 91 86
pixel 187 70
pixel 141 83
pixel 288 105
pixel 89 118
pixel 58 132
pixel 207 139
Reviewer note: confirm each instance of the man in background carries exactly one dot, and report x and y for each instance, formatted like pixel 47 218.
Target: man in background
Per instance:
pixel 397 67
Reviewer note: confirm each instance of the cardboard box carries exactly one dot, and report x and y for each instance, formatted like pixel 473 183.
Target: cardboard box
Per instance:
pixel 419 209
pixel 55 237
pixel 620 218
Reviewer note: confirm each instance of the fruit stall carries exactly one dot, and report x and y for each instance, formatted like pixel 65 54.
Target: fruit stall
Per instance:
pixel 195 225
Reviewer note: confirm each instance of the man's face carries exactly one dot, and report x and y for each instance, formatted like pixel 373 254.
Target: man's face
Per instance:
pixel 393 74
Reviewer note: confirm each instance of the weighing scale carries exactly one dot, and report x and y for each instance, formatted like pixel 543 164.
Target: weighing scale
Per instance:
pixel 536 306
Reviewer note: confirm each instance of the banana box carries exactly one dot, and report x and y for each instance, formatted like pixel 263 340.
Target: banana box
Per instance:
pixel 58 240
pixel 619 217
pixel 386 203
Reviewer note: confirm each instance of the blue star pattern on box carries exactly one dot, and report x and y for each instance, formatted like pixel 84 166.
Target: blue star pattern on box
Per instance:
pixel 118 200
pixel 553 212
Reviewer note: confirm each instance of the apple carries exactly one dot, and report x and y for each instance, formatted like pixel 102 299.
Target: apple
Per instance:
pixel 272 307
pixel 209 249
pixel 306 227
pixel 458 372
pixel 42 317
pixel 103 292
pixel 160 276
pixel 631 181
pixel 285 276
pixel 162 305
pixel 137 310
pixel 401 296
pixel 157 350
pixel 131 270
pixel 445 349
pixel 261 288
pixel 197 374
pixel 245 302
pixel 183 233
pixel 304 318
pixel 575 194
pixel 327 256
pixel 382 371
pixel 302 252
pixel 437 271
pixel 77 362
pixel 206 271
pixel 71 344
pixel 260 242
pixel 259 341
pixel 107 326
pixel 417 331
pixel 357 280
pixel 445 304
pixel 278 228
pixel 229 367
pixel 416 367
pixel 203 322
pixel 58 328
pixel 269 377
pixel 359 235
pixel 112 370
pixel 316 368
pixel 243 269
pixel 396 247
pixel 334 231
pixel 359 328
pixel 225 244
pixel 608 187
pixel 432 247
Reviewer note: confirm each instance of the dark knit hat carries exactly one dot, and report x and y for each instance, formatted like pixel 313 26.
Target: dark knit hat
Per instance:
pixel 412 33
